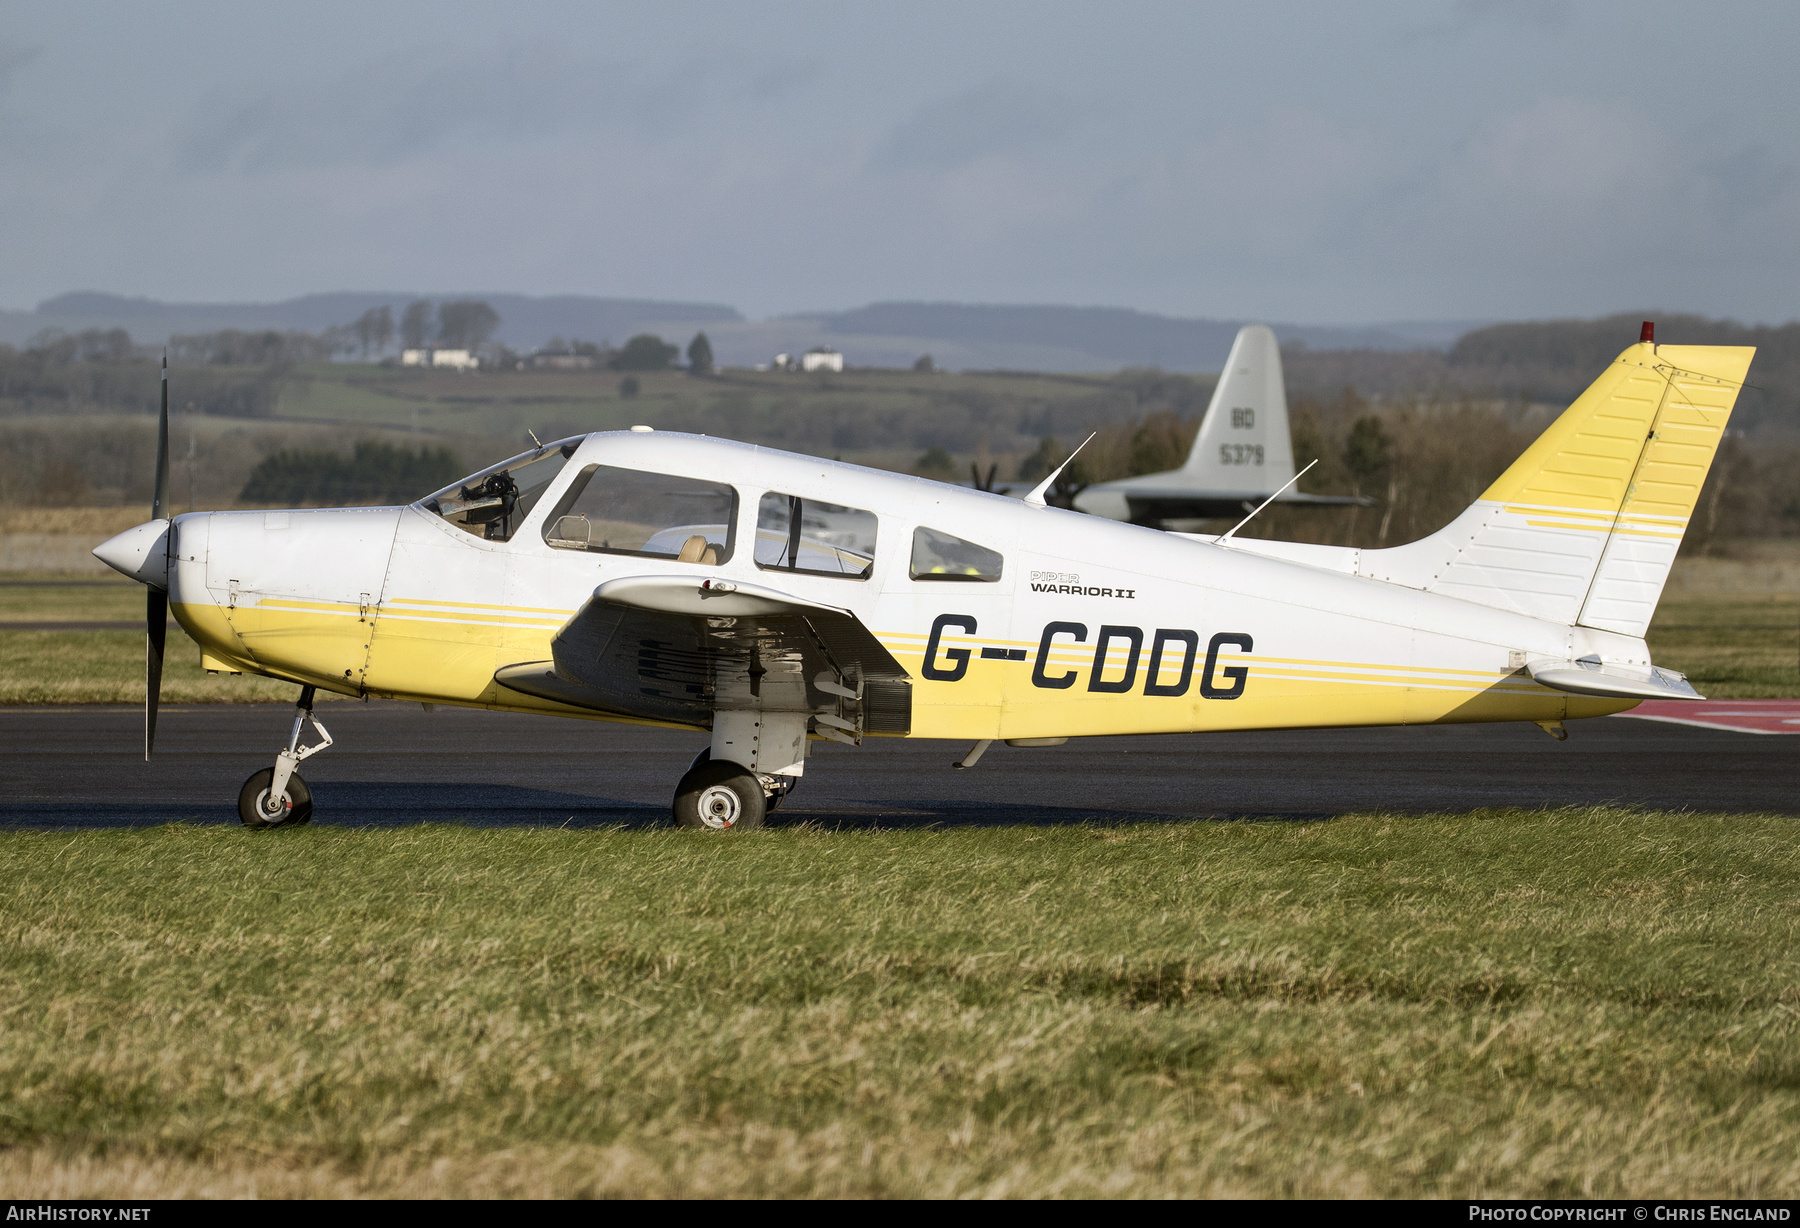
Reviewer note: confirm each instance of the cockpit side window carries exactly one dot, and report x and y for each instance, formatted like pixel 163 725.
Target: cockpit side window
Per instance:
pixel 937 555
pixel 817 538
pixel 493 504
pixel 653 515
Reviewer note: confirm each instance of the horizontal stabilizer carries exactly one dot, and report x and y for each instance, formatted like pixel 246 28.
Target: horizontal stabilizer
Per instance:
pixel 1591 676
pixel 1147 504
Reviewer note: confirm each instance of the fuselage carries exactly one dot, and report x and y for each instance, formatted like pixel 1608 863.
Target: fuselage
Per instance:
pixel 1093 627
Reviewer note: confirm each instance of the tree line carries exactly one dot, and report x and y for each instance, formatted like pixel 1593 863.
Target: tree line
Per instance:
pixel 1422 462
pixel 374 473
pixel 103 371
pixel 1552 361
pixel 1422 454
pixel 460 324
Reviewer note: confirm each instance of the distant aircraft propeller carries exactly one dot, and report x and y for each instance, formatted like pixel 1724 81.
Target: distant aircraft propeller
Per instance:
pixel 156 597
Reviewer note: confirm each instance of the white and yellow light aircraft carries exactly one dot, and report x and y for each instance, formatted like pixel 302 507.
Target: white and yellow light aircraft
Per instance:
pixel 773 599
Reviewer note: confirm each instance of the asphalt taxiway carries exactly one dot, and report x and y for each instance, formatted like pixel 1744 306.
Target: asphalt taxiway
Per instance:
pixel 82 767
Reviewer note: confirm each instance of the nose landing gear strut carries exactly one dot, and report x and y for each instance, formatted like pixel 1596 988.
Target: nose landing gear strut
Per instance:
pixel 278 797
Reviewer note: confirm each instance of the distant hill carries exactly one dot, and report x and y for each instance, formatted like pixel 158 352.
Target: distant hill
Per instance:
pixel 1556 359
pixel 1546 361
pixel 524 321
pixel 1552 361
pixel 1116 336
pixel 959 336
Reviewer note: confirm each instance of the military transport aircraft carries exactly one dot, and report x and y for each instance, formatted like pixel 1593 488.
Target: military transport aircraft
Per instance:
pixel 1242 455
pixel 772 599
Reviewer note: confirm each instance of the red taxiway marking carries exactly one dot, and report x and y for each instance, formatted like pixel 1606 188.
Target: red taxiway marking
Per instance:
pixel 1741 715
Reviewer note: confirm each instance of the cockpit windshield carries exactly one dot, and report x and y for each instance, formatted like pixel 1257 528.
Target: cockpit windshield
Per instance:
pixel 493 504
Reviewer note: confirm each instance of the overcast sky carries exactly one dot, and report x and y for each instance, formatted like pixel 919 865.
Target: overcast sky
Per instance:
pixel 1304 162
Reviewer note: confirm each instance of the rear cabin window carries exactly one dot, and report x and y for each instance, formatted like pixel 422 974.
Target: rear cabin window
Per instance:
pixel 652 515
pixel 937 555
pixel 813 537
pixel 493 504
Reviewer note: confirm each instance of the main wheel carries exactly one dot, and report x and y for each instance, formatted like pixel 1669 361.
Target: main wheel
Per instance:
pixel 772 798
pixel 720 796
pixel 259 811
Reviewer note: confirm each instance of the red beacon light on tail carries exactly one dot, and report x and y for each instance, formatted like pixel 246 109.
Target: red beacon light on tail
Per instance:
pixel 1648 332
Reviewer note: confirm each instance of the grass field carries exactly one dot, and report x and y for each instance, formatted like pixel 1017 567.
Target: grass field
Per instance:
pixel 107 667
pixel 1573 1003
pixel 1732 645
pixel 102 667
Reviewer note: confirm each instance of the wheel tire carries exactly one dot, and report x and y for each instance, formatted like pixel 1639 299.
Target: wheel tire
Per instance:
pixel 256 789
pixel 720 797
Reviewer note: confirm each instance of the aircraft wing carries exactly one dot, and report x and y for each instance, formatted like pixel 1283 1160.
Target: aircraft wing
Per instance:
pixel 1148 504
pixel 670 648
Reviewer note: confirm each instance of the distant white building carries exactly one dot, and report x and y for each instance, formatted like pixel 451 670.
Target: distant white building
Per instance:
pixel 821 358
pixel 457 360
pixel 559 361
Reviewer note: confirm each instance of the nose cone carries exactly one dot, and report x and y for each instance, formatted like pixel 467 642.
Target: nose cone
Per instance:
pixel 141 553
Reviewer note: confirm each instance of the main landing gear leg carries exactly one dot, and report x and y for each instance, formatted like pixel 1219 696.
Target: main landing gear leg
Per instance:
pixel 278 797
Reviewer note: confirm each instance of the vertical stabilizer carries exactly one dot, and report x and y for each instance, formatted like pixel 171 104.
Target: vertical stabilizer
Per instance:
pixel 1583 528
pixel 1243 443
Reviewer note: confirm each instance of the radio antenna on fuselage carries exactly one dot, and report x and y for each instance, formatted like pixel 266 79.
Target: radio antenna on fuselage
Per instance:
pixel 1226 540
pixel 1036 497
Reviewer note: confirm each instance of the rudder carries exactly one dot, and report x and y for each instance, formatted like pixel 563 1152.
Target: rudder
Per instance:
pixel 1665 487
pixel 1583 528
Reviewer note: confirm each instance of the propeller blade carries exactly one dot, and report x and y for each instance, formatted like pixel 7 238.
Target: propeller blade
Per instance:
pixel 156 600
pixel 156 627
pixel 159 504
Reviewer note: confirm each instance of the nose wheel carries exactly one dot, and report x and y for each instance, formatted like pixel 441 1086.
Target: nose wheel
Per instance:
pixel 277 797
pixel 259 807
